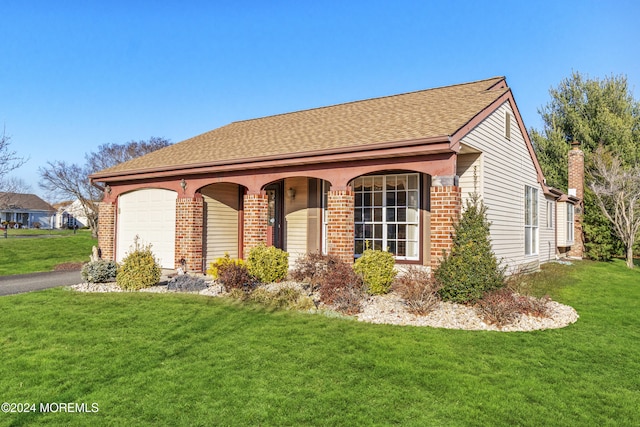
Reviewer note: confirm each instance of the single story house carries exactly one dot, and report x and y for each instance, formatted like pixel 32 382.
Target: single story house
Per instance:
pixel 25 210
pixel 70 214
pixel 391 171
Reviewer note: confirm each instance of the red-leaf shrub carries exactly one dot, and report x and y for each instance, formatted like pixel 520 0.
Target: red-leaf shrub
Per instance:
pixel 502 307
pixel 418 289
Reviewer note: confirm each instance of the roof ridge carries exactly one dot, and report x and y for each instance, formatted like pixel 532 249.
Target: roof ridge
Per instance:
pixel 367 99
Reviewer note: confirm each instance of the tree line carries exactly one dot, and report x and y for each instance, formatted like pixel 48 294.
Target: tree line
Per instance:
pixel 604 117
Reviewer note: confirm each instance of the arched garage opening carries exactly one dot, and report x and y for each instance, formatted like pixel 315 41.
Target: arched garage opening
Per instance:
pixel 150 214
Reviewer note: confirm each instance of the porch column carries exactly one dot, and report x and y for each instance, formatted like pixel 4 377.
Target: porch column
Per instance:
pixel 340 224
pixel 107 230
pixel 446 206
pixel 189 217
pixel 255 221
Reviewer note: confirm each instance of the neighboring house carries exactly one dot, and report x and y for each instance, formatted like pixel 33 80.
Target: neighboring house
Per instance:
pixel 391 171
pixel 25 210
pixel 70 214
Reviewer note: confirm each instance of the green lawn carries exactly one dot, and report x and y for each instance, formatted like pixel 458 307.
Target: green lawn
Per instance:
pixel 29 251
pixel 168 359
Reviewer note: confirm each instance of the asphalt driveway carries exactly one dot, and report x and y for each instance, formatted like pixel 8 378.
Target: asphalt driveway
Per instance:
pixel 36 281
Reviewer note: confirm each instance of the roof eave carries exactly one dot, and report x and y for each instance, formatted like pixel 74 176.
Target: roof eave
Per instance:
pixel 431 145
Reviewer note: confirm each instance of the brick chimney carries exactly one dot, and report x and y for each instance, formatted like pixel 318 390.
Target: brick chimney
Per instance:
pixel 576 188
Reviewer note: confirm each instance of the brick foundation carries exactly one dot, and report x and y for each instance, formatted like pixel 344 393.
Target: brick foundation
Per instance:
pixel 255 221
pixel 340 224
pixel 189 224
pixel 107 230
pixel 446 206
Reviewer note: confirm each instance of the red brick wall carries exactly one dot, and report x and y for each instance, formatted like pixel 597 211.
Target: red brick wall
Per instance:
pixel 255 221
pixel 189 222
pixel 576 181
pixel 446 205
pixel 107 230
pixel 340 224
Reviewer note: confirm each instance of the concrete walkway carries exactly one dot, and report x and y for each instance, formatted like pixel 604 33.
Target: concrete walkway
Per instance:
pixel 20 283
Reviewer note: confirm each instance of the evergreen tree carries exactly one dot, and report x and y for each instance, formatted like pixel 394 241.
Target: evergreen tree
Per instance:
pixel 594 112
pixel 471 268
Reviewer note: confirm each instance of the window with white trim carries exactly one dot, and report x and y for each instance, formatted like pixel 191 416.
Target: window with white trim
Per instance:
pixel 530 220
pixel 569 223
pixel 549 214
pixel 387 214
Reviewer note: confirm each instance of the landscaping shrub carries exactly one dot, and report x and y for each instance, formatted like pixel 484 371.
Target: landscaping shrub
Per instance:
pixel 471 268
pixel 236 276
pixel 502 307
pixel 499 307
pixel 342 287
pixel 268 264
pixel 283 299
pixel 312 268
pixel 101 271
pixel 221 263
pixel 186 283
pixel 377 269
pixel 238 294
pixel 418 289
pixel 139 268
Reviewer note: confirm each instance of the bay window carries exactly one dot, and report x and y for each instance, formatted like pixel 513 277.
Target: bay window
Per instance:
pixel 386 214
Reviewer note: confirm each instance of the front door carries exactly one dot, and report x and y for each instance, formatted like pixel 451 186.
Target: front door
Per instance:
pixel 274 215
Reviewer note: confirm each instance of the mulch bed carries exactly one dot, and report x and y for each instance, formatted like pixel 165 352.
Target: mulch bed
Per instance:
pixel 68 266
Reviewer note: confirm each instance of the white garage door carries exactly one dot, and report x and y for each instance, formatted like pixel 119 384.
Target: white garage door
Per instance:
pixel 151 215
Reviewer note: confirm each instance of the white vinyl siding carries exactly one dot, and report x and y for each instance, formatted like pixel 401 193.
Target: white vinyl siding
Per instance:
pixel 469 171
pixel 221 221
pixel 506 167
pixel 547 246
pixel 295 218
pixel 149 214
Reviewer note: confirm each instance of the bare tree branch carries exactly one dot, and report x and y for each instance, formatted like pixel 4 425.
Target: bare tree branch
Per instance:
pixel 71 181
pixel 617 191
pixel 9 160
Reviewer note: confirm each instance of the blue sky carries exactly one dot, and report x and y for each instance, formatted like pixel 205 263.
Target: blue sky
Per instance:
pixel 75 75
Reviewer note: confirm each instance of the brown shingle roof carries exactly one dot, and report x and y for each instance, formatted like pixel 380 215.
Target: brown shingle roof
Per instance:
pixel 19 201
pixel 410 116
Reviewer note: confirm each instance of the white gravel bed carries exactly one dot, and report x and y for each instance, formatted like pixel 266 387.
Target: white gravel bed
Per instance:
pixel 390 309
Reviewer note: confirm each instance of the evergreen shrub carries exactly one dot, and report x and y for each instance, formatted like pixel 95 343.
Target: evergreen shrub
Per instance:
pixel 139 268
pixel 471 268
pixel 101 271
pixel 268 264
pixel 377 269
